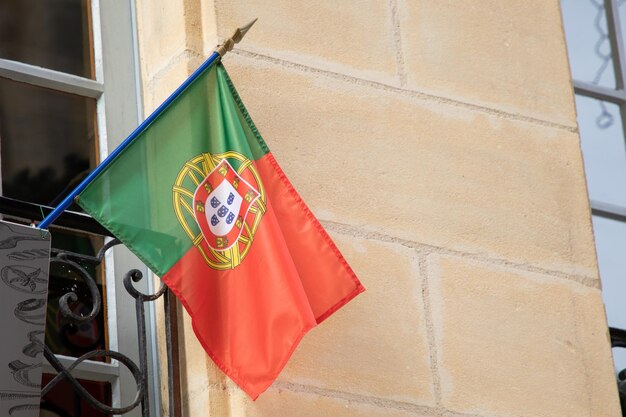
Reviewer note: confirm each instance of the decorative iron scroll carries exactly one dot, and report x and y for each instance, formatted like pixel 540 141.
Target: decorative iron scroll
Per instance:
pixel 139 372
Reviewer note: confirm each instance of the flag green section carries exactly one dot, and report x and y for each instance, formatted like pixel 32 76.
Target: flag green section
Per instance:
pixel 133 196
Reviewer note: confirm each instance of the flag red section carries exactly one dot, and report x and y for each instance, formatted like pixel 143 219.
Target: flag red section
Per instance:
pixel 251 318
pixel 328 280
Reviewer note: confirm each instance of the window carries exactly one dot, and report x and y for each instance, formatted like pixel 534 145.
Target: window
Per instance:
pixel 595 40
pixel 68 94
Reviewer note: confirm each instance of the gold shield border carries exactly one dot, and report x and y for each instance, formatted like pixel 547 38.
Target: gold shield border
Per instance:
pixel 193 172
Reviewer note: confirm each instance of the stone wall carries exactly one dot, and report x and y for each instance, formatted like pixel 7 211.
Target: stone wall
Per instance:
pixel 437 143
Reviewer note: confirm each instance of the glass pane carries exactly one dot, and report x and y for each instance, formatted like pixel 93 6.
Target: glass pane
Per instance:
pixel 54 34
pixel 588 41
pixel 48 141
pixel 63 336
pixel 62 401
pixel 604 152
pixel 611 247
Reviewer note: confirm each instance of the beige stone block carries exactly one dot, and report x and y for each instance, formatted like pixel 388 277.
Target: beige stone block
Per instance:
pixel 201 370
pixel 195 22
pixel 159 87
pixel 593 334
pixel 161 347
pixel 208 18
pixel 376 345
pixel 511 343
pixel 353 38
pixel 422 170
pixel 162 33
pixel 505 54
pixel 195 368
pixel 282 402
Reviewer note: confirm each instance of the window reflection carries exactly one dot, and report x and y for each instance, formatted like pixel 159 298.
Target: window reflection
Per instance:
pixel 54 34
pixel 47 139
pixel 63 401
pixel 604 151
pixel 603 144
pixel 611 245
pixel 588 41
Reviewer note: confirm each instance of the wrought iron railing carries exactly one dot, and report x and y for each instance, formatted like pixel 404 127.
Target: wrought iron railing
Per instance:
pixel 77 261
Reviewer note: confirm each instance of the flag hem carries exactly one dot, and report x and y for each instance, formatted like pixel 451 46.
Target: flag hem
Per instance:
pixel 231 373
pixel 244 111
pixel 345 300
pixel 311 217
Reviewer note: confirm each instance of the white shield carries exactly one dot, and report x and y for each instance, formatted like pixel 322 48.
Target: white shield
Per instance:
pixel 222 208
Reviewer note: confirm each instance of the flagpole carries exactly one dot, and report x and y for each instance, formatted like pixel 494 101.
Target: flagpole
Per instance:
pixel 219 52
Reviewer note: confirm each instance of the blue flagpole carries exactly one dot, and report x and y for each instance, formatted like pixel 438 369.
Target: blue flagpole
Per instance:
pixel 219 52
pixel 67 201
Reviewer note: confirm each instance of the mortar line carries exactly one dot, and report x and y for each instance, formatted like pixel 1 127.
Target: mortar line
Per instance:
pixel 192 17
pixel 579 335
pixel 201 389
pixel 428 249
pixel 218 19
pixel 186 54
pixel 397 40
pixel 419 95
pixel 356 398
pixel 422 410
pixel 450 413
pixel 430 327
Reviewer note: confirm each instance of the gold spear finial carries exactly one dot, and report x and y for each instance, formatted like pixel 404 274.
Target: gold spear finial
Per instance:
pixel 229 43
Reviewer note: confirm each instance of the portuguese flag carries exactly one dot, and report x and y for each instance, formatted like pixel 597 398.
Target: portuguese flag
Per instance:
pixel 200 199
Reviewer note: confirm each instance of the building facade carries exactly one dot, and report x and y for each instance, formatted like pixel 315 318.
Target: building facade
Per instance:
pixel 437 142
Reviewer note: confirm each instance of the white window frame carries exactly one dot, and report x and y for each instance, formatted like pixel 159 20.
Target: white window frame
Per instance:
pixel 116 89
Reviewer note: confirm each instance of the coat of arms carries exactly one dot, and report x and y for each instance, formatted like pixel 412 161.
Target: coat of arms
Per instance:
pixel 222 202
pixel 219 201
